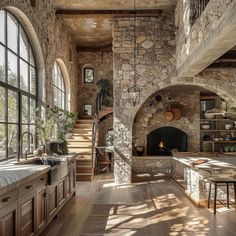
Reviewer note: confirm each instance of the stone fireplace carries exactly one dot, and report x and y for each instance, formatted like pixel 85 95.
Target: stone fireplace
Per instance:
pixel 161 141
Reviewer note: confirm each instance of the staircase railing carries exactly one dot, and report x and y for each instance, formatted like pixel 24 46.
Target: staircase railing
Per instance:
pixel 98 106
pixel 198 6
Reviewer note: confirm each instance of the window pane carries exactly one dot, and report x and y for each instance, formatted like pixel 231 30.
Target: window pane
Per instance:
pixel 12 32
pixel 88 110
pixel 32 80
pixel 24 82
pixel 23 45
pixel 88 73
pixel 25 144
pixel 2 27
pixel 3 141
pixel 2 63
pixel 12 106
pixel 33 131
pixel 12 69
pixel 2 104
pixel 25 110
pixel 32 62
pixel 32 110
pixel 12 140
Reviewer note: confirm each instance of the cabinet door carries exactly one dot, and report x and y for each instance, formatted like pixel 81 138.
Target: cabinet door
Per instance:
pixel 41 208
pixel 8 221
pixel 61 192
pixel 52 201
pixel 27 216
pixel 72 179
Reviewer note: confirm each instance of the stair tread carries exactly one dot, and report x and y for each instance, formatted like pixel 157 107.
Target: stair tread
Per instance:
pixel 84 173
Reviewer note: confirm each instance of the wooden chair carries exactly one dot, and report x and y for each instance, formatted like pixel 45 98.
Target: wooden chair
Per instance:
pixel 103 162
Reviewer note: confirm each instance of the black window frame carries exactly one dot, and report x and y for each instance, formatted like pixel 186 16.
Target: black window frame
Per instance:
pixel 17 89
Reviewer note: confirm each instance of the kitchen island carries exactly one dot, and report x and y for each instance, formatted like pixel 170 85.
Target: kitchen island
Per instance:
pixel 32 194
pixel 192 172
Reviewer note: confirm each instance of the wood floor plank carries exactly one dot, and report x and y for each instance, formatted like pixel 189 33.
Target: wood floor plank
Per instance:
pixel 152 208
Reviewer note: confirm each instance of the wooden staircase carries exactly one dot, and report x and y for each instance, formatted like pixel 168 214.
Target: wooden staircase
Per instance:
pixel 81 143
pixel 104 111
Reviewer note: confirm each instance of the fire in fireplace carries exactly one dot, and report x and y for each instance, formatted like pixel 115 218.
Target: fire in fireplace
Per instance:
pixel 161 141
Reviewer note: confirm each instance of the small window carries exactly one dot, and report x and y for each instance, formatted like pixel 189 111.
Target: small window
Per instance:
pixel 88 75
pixel 87 110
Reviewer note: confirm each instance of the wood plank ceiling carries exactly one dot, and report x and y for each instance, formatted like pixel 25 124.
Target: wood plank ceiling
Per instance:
pixel 90 21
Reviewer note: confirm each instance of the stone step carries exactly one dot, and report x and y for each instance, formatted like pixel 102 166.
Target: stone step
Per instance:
pixel 83 131
pixel 84 157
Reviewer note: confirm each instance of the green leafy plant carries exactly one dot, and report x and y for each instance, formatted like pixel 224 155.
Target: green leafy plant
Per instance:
pixel 56 124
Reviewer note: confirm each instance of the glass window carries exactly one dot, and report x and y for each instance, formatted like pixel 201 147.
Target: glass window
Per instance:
pixel 58 87
pixel 88 75
pixel 18 87
pixel 2 27
pixel 87 109
pixel 2 63
pixel 12 32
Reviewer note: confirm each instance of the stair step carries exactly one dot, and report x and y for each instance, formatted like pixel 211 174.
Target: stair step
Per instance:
pixel 79 144
pixel 84 177
pixel 84 126
pixel 79 151
pixel 84 121
pixel 83 131
pixel 84 170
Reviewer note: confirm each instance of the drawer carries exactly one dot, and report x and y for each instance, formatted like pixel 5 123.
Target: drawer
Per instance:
pixel 32 185
pixel 8 198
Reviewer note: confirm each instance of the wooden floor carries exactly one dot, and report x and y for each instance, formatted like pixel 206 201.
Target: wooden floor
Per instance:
pixel 151 208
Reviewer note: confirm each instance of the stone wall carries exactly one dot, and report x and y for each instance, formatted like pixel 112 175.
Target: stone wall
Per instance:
pixel 104 125
pixel 156 69
pixel 153 166
pixel 189 36
pixel 54 42
pixel 150 115
pixel 155 37
pixel 102 62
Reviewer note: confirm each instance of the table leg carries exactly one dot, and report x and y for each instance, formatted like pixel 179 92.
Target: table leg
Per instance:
pixel 209 196
pixel 227 185
pixel 215 197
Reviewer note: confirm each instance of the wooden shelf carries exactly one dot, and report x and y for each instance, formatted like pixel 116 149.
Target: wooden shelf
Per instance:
pixel 216 119
pixel 218 130
pixel 220 141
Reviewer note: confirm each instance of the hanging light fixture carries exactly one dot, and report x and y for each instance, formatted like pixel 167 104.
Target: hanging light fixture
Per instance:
pixel 135 90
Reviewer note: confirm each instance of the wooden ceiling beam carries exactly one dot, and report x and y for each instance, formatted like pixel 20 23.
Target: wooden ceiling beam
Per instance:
pixel 105 48
pixel 66 12
pixel 222 65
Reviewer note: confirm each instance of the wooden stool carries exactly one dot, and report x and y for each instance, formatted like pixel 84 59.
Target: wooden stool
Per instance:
pixel 221 181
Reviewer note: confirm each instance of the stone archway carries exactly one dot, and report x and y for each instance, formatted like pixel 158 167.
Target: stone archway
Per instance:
pixel 124 115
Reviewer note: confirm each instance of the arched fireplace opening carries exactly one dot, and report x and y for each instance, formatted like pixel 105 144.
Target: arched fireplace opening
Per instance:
pixel 161 141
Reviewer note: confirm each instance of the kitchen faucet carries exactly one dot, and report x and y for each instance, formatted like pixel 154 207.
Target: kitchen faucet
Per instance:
pixel 26 152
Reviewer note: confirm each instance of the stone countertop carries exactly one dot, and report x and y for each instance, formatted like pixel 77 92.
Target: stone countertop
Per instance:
pixel 151 157
pixel 222 166
pixel 14 175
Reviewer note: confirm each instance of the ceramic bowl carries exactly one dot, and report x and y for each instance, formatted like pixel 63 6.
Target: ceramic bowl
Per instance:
pixel 205 126
pixel 209 116
pixel 228 126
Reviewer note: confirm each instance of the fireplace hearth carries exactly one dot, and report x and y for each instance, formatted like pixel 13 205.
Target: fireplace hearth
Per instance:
pixel 161 141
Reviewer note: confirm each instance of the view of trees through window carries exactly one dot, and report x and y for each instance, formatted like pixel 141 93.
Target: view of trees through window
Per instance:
pixel 17 87
pixel 59 94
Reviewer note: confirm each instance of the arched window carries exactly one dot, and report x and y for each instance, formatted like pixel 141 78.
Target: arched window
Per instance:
pixel 18 88
pixel 59 94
